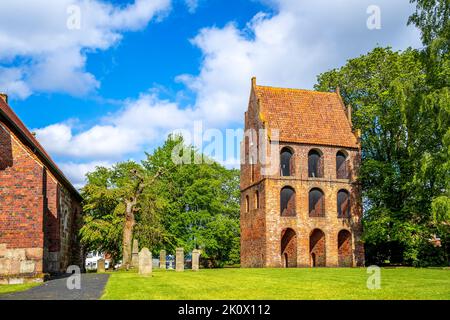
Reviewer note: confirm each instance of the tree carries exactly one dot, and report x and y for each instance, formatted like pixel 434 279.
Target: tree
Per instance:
pixel 404 119
pixel 111 200
pixel 164 206
pixel 197 201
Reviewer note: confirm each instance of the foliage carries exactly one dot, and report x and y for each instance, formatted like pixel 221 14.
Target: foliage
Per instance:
pixel 188 205
pixel 199 204
pixel 401 102
pixel 104 207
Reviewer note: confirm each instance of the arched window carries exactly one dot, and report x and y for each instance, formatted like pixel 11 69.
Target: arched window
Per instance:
pixel 343 204
pixel 315 164
pixel 341 166
pixel 316 203
pixel 317 248
pixel 287 202
pixel 286 162
pixel 247 203
pixel 345 256
pixel 289 248
pixel 256 199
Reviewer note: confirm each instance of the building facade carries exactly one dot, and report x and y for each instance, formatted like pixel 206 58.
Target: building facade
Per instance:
pixel 306 210
pixel 40 211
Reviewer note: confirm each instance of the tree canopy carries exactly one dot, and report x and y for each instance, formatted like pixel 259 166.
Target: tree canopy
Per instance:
pixel 401 103
pixel 189 205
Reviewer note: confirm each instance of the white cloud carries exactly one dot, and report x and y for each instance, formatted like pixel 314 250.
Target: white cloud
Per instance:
pixel 288 48
pixel 76 172
pixel 192 5
pixel 141 123
pixel 39 52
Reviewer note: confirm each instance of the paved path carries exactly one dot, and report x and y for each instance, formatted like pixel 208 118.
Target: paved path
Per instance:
pixel 92 286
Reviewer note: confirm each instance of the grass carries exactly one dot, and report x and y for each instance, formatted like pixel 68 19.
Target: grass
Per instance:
pixel 9 288
pixel 287 284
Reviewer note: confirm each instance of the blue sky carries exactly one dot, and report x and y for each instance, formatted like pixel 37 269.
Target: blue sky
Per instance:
pixel 135 70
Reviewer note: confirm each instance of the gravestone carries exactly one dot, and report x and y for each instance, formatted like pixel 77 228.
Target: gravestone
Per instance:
pixel 162 259
pixel 195 259
pixel 145 262
pixel 179 263
pixel 135 254
pixel 101 265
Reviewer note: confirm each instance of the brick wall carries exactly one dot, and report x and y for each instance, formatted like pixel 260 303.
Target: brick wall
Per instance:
pixel 32 236
pixel 21 201
pixel 262 229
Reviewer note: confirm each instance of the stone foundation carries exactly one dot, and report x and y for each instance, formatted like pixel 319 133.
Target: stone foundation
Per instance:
pixel 19 263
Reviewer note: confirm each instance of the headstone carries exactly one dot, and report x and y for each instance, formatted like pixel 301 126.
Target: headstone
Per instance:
pixel 101 265
pixel 162 259
pixel 195 259
pixel 145 262
pixel 135 254
pixel 179 260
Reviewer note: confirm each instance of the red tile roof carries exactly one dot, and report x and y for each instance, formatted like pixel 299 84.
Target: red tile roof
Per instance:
pixel 305 116
pixel 28 138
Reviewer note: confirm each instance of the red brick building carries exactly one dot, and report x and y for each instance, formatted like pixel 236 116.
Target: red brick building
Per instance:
pixel 307 211
pixel 39 208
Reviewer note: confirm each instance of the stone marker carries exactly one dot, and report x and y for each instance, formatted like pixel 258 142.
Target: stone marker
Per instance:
pixel 195 259
pixel 179 263
pixel 101 265
pixel 162 259
pixel 135 254
pixel 145 262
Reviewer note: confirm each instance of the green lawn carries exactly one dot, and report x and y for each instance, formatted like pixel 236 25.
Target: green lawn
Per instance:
pixel 318 283
pixel 8 288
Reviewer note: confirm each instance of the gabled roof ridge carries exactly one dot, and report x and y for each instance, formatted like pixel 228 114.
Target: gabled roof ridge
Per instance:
pixel 296 89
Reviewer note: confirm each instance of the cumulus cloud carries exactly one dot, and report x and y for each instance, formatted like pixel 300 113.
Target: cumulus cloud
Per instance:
pixel 287 47
pixel 43 43
pixel 142 122
pixel 76 172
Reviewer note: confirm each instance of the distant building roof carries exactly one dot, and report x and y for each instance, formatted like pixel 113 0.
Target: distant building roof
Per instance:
pixel 18 127
pixel 305 116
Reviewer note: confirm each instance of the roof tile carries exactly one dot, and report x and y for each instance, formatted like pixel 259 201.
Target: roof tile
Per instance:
pixel 305 116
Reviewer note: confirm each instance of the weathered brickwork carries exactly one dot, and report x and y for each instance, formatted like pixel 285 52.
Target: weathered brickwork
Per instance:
pixel 38 216
pixel 271 240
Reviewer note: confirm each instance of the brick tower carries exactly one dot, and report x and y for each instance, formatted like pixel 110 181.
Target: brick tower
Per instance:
pixel 306 212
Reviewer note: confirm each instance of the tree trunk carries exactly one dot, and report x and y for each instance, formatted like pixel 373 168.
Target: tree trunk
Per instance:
pixel 128 234
pixel 129 218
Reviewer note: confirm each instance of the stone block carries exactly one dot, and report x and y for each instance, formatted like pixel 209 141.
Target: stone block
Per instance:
pixel 101 265
pixel 15 254
pixel 195 259
pixel 135 254
pixel 179 263
pixel 27 266
pixel 34 253
pixel 145 262
pixel 162 259
pixel 16 280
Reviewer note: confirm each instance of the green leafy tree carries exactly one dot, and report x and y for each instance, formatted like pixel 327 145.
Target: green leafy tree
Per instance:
pixel 164 206
pixel 198 200
pixel 404 122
